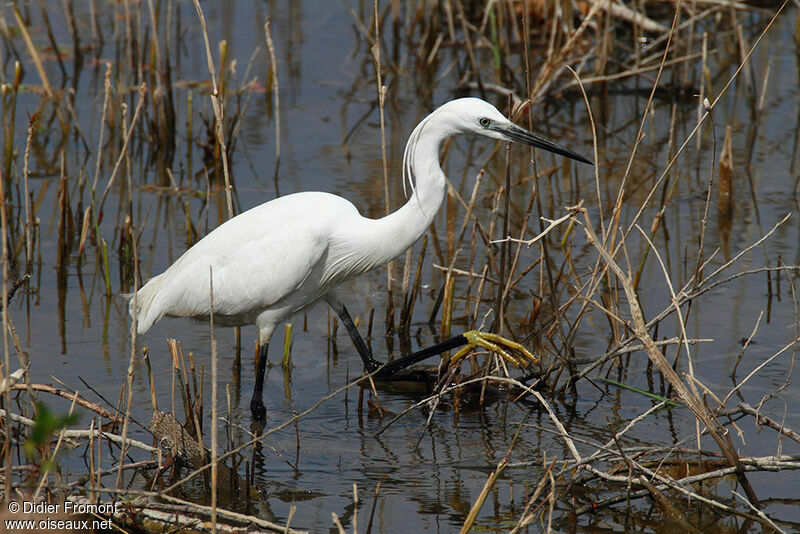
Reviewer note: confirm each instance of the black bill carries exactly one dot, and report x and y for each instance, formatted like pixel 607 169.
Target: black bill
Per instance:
pixel 521 135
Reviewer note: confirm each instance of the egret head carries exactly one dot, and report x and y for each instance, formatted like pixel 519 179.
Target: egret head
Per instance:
pixel 477 117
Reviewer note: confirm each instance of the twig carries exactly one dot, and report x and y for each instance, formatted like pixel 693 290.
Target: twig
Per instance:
pixel 89 405
pixel 551 224
pixel 78 434
pixel 764 420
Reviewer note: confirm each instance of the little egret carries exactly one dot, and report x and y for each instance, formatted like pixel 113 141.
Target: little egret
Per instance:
pixel 279 258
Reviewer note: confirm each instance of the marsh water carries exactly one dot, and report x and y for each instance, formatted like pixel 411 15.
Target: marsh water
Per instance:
pixel 330 140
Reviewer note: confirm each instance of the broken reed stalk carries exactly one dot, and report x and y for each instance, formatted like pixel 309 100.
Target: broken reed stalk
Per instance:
pixel 698 273
pixel 666 197
pixel 216 104
pixel 189 134
pixel 555 59
pixel 275 93
pixel 355 507
pixel 791 345
pixel 196 400
pixel 34 53
pixel 546 266
pixel 93 482
pixel 176 353
pixel 32 122
pixel 9 116
pixel 193 402
pixel 487 487
pixel 150 378
pixel 410 297
pixel 103 119
pixel 372 510
pixel 796 315
pixel 595 151
pixel 286 359
pixel 404 285
pixel 126 142
pixel 338 524
pixel 703 78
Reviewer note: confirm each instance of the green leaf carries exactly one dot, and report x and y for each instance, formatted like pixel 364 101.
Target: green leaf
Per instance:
pixel 45 426
pixel 640 391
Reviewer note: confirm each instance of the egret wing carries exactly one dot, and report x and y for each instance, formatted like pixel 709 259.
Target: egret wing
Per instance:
pixel 253 269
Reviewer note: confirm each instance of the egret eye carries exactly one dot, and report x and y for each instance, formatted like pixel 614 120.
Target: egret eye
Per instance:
pixel 483 121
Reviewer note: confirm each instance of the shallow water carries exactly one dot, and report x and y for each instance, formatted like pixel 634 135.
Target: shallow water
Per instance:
pixel 330 141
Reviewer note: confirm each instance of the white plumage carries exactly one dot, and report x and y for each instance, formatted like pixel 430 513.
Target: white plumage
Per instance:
pixel 282 256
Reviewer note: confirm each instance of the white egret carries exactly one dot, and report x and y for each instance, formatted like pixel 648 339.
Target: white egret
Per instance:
pixel 281 257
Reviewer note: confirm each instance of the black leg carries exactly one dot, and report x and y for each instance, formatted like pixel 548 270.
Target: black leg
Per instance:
pixel 406 361
pixel 257 402
pixel 370 363
pixel 387 371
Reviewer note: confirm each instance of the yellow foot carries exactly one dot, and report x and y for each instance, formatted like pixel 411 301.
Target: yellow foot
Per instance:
pixel 511 351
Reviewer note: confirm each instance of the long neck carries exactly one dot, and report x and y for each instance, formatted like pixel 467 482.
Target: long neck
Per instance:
pixel 422 171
